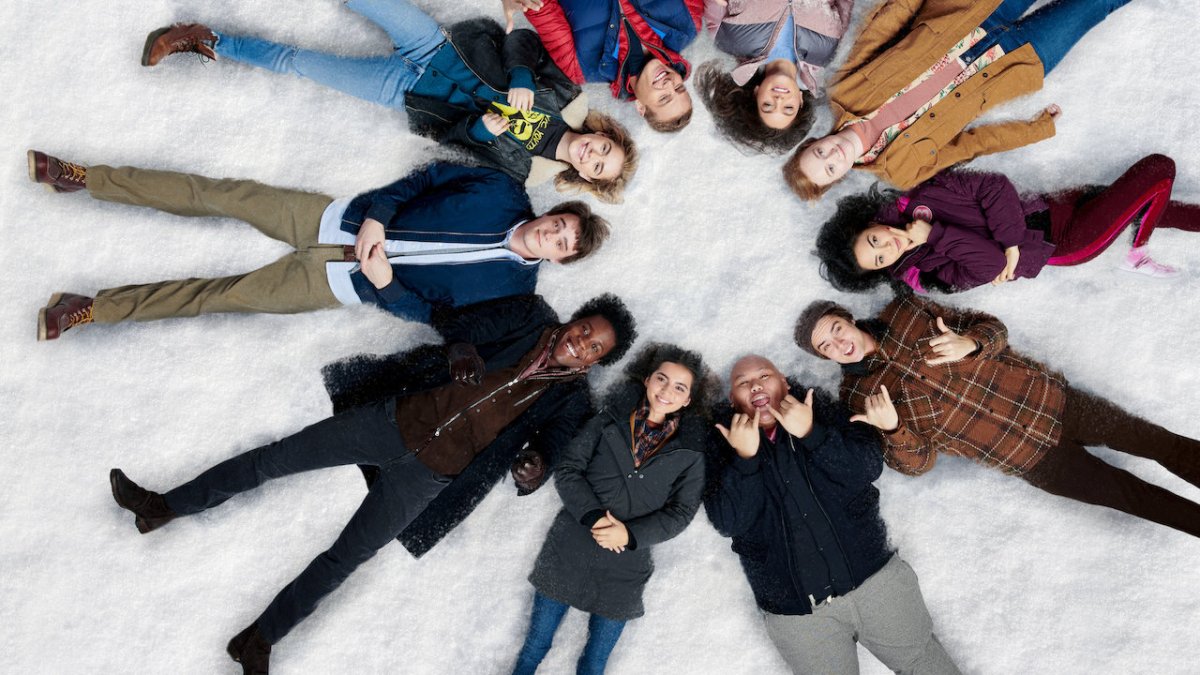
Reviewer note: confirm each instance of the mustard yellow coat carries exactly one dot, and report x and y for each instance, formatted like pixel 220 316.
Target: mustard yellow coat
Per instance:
pixel 902 39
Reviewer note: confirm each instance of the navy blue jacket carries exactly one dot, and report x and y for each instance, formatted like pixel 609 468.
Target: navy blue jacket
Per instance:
pixel 450 204
pixel 502 331
pixel 763 502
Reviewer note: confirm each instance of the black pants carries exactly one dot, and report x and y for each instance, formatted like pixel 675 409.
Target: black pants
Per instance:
pixel 366 435
pixel 1069 470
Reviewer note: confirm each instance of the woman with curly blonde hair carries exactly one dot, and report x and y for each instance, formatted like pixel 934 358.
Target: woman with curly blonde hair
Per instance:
pixel 498 95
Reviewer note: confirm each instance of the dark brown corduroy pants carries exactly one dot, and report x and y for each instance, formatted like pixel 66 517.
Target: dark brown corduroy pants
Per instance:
pixel 1069 470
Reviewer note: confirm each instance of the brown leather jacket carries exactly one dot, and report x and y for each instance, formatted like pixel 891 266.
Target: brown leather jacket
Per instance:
pixel 447 426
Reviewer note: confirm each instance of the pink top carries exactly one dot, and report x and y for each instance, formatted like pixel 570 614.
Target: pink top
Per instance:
pixel 902 107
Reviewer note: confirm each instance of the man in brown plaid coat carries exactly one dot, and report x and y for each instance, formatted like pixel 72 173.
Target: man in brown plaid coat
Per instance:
pixel 938 380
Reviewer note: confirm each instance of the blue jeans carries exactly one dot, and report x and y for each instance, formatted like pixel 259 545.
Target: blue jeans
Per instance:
pixel 379 79
pixel 1052 30
pixel 366 435
pixel 547 614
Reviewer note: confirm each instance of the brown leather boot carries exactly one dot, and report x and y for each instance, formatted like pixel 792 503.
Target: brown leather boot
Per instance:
pixel 62 313
pixel 57 175
pixel 252 650
pixel 150 508
pixel 182 37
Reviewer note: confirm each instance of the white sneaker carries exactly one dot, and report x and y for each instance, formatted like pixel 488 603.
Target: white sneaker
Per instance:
pixel 1138 260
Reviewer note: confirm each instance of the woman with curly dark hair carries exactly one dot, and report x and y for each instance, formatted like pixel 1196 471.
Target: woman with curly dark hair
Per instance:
pixel 766 102
pixel 632 478
pixel 963 229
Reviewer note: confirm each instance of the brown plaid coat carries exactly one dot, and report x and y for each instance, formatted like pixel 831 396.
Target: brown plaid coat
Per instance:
pixel 995 406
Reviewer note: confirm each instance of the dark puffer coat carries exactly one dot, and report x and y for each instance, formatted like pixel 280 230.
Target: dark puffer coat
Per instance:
pixel 655 501
pixel 502 331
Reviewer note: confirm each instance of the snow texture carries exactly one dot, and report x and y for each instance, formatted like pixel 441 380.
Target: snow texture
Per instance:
pixel 709 250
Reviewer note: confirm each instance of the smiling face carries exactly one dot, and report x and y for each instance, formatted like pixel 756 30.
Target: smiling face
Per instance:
pixel 840 340
pixel 880 246
pixel 596 157
pixel 755 386
pixel 583 342
pixel 659 91
pixel 778 97
pixel 550 237
pixel 828 159
pixel 668 389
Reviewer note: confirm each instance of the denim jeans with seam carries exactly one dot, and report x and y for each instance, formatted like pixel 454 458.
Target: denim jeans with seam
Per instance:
pixel 547 615
pixel 415 36
pixel 1052 30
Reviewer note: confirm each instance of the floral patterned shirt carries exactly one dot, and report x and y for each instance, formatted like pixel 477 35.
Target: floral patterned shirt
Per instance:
pixel 950 60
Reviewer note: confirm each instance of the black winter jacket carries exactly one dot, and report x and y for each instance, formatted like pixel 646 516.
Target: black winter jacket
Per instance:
pixel 656 501
pixel 749 501
pixel 491 55
pixel 502 331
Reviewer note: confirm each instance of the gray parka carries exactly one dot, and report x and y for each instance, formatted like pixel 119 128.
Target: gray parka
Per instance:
pixel 655 501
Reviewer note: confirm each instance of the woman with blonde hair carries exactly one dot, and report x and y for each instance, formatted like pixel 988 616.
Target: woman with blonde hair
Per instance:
pixel 498 95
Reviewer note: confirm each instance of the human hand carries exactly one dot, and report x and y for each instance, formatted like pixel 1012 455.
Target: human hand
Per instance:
pixel 949 346
pixel 376 268
pixel 742 434
pixel 611 535
pixel 521 98
pixel 496 124
pixel 796 417
pixel 528 471
pixel 1054 110
pixel 1011 255
pixel 369 234
pixel 511 7
pixel 879 411
pixel 918 230
pixel 466 367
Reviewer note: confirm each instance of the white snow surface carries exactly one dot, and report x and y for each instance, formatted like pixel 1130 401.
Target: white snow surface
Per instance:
pixel 709 250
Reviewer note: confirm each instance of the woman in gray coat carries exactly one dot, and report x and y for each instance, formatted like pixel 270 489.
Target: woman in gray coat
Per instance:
pixel 632 478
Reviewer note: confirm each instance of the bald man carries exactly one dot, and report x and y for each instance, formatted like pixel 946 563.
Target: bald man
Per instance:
pixel 791 483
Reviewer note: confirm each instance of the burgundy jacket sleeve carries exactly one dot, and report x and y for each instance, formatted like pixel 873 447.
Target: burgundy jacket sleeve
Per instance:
pixel 551 25
pixel 997 199
pixel 968 258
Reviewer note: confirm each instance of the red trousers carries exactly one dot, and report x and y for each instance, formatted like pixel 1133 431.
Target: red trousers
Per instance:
pixel 1083 227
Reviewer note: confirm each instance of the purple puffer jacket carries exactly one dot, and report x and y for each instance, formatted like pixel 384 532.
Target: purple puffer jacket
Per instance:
pixel 975 216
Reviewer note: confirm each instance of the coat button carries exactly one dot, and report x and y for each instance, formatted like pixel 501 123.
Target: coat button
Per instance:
pixel 958 94
pixel 641 475
pixel 906 134
pixel 985 76
pixel 932 115
pixel 629 476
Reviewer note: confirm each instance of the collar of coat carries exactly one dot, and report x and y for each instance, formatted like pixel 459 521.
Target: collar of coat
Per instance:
pixel 542 169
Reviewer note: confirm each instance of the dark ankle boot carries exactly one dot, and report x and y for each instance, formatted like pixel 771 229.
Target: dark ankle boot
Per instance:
pixel 150 508
pixel 252 650
pixel 182 37
pixel 57 175
pixel 64 312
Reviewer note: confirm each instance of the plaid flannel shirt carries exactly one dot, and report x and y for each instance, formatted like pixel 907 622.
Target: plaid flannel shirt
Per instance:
pixel 995 406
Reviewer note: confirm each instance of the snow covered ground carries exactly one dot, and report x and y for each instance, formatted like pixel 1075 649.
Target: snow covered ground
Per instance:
pixel 709 251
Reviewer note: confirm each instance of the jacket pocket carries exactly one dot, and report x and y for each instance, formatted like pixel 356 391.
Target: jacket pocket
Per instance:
pixel 917 410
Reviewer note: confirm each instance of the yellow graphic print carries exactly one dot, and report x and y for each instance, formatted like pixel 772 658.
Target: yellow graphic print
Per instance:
pixel 527 126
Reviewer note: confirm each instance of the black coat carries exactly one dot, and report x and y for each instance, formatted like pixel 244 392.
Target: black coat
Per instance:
pixel 491 54
pixel 656 501
pixel 502 331
pixel 751 501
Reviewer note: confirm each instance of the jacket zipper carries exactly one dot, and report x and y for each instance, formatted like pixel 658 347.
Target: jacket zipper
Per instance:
pixel 836 539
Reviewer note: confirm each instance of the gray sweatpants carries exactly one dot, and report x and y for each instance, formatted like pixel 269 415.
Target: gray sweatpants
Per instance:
pixel 886 614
